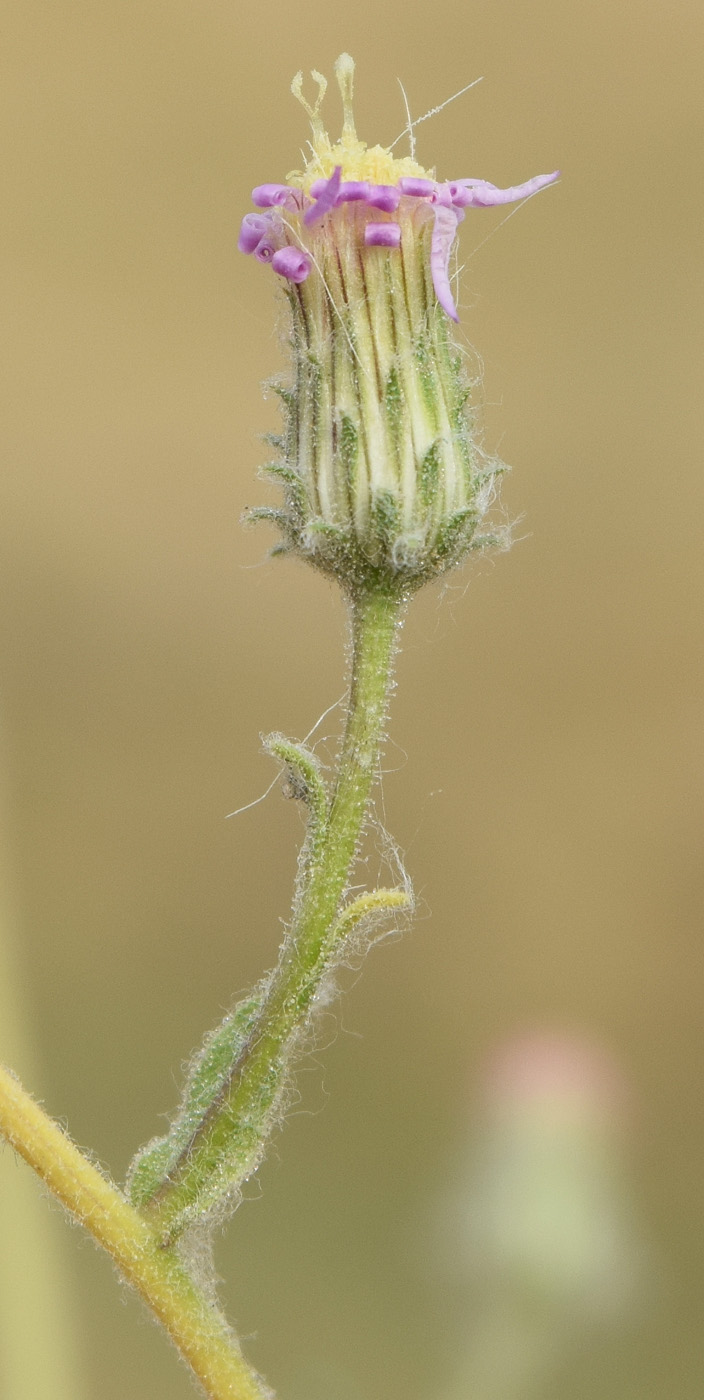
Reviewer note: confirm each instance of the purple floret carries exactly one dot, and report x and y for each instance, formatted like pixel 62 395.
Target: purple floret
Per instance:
pixel 415 187
pixel 292 263
pixel 269 196
pixel 353 189
pixel 441 195
pixel 387 235
pixel 444 230
pixel 325 198
pixel 266 248
pixel 254 227
pixel 480 194
pixel 264 235
pixel 386 197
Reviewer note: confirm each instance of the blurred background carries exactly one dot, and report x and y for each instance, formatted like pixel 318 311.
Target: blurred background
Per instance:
pixel 544 778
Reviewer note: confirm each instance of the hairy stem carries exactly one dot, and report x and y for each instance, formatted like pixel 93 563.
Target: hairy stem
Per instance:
pixel 194 1324
pixel 142 1242
pixel 40 1339
pixel 240 1111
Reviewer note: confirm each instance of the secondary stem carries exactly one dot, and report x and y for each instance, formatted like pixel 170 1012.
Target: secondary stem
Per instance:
pixel 196 1327
pixel 256 1078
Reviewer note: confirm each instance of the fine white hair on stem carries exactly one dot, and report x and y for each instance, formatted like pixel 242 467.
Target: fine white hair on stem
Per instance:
pixel 409 128
pixel 432 113
pixel 324 715
pixel 238 810
pixel 275 780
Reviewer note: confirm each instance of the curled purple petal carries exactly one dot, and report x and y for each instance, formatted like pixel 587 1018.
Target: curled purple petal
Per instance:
pixel 292 263
pixel 386 197
pixel 349 190
pixel 268 196
pixel 482 195
pixel 325 199
pixel 441 195
pixel 266 248
pixel 460 191
pixel 416 188
pixel 254 227
pixel 463 196
pixel 387 235
pixel 466 181
pixel 353 189
pixel 444 230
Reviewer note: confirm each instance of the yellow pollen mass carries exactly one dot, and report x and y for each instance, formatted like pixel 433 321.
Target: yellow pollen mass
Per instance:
pixel 377 164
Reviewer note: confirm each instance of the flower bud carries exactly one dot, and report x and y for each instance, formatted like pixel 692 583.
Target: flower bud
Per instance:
pixel 383 482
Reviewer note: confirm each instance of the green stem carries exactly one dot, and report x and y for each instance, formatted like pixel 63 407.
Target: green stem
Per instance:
pixel 242 1109
pixel 192 1321
pixel 40 1333
pixel 141 1242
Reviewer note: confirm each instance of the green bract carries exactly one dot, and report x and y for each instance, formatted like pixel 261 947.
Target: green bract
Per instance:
pixel 381 478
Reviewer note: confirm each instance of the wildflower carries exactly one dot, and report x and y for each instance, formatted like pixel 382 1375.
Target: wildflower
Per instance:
pixel 382 478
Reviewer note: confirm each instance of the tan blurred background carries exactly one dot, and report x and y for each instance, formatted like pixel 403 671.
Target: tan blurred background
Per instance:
pixel 545 775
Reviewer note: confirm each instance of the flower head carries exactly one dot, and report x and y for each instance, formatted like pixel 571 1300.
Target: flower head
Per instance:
pixel 381 473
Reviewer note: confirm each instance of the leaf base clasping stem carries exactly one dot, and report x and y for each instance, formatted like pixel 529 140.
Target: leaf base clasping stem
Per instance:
pixel 229 1109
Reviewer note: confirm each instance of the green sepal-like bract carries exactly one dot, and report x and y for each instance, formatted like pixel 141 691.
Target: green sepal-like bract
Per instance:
pixel 209 1150
pixel 208 1074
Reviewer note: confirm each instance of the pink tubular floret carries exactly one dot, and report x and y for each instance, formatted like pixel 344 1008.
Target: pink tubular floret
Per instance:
pixel 264 236
pixel 325 198
pixel 353 189
pixel 416 188
pixel 349 190
pixel 386 197
pixel 266 248
pixel 254 227
pixel 441 195
pixel 292 263
pixel 270 196
pixel 444 230
pixel 387 235
pixel 479 194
